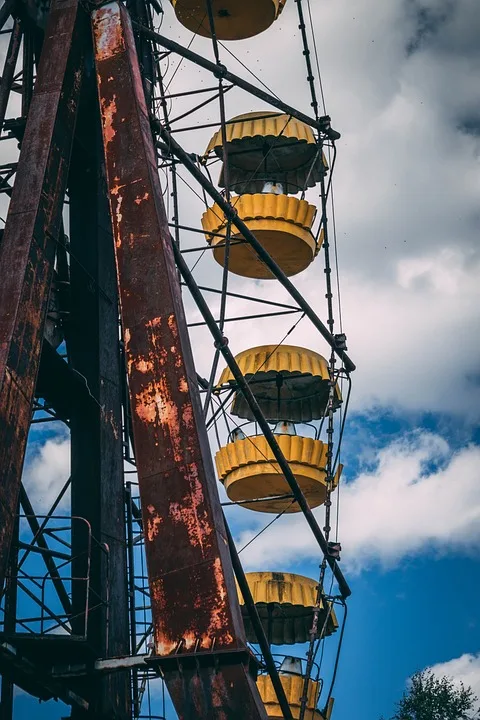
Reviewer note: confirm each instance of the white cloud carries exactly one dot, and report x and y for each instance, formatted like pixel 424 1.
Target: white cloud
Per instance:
pixel 406 189
pixel 414 336
pixel 419 494
pixel 47 469
pixel 465 669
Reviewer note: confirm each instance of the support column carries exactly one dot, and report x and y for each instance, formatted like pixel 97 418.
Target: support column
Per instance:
pixel 28 246
pixel 196 616
pixel 96 420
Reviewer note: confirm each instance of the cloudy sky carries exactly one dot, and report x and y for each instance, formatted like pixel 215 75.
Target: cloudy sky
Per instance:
pixel 400 80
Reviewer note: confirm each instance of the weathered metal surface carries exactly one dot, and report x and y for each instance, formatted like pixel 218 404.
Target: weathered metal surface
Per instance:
pixel 97 490
pixel 223 693
pixel 27 250
pixel 194 606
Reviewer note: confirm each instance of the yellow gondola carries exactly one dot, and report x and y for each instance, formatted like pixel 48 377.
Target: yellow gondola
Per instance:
pixel 293 686
pixel 289 383
pixel 281 223
pixel 269 147
pixel 285 603
pixel 234 19
pixel 248 471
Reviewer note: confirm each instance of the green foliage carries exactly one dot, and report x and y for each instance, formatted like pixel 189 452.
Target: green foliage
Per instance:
pixel 433 698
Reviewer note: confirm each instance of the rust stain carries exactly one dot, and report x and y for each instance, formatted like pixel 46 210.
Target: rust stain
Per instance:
pixel 109 109
pixel 188 512
pixel 218 615
pixel 189 640
pixel 141 199
pixel 187 415
pixel 110 419
pixel 220 696
pixel 154 403
pixel 153 523
pixel 118 216
pixel 116 189
pixel 108 32
pixel 143 365
pixel 172 324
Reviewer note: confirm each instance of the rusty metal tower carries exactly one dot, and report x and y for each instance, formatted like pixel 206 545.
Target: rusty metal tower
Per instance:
pixel 131 574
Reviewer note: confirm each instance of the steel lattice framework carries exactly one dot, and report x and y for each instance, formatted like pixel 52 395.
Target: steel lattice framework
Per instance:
pixel 130 574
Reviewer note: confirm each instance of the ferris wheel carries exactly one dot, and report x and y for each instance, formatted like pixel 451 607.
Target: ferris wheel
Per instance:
pixel 220 196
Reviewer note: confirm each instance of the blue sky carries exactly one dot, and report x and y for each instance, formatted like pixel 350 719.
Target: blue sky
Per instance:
pixel 401 84
pixel 416 611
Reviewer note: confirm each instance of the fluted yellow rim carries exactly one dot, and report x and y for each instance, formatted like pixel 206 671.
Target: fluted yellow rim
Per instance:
pixel 293 686
pixel 282 587
pixel 240 18
pixel 279 359
pixel 285 588
pixel 261 206
pixel 263 125
pixel 256 450
pixel 280 4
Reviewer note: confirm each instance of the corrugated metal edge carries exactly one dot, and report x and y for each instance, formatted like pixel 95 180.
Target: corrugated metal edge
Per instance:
pixel 293 686
pixel 282 588
pixel 262 206
pixel 256 450
pixel 282 358
pixel 266 587
pixel 257 124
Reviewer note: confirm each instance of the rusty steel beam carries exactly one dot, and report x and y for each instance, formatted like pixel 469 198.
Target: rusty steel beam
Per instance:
pixel 93 344
pixel 28 246
pixel 196 615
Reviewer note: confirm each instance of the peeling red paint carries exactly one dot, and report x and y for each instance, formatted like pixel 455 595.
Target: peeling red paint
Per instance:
pixel 108 110
pixel 153 523
pixel 187 413
pixel 117 190
pixel 218 610
pixel 107 31
pixel 189 512
pixel 143 365
pixel 144 197
pixel 172 324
